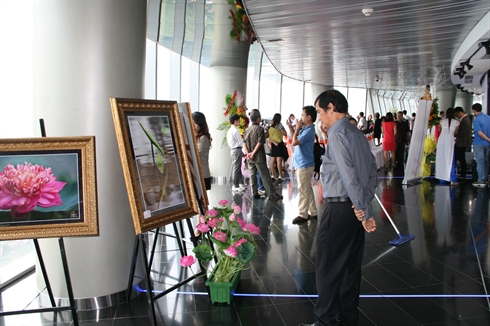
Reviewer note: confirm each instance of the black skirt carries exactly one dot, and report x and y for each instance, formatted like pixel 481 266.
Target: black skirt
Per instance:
pixel 277 151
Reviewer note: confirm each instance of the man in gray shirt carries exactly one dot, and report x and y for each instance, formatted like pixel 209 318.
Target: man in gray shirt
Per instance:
pixel 350 183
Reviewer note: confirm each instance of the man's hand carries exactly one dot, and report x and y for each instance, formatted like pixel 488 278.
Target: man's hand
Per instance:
pixel 359 214
pixel 369 225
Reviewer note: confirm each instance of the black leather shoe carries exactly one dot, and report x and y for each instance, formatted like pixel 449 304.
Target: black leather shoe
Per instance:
pixel 306 324
pixel 299 220
pixel 275 197
pixel 312 217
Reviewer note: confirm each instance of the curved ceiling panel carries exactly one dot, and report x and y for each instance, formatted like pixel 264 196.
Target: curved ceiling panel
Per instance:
pixel 403 44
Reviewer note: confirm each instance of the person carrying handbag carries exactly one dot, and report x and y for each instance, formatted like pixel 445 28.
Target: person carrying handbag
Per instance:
pixel 276 144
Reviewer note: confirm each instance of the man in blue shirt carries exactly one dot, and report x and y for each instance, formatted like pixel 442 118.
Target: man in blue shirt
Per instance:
pixel 304 162
pixel 481 144
pixel 350 182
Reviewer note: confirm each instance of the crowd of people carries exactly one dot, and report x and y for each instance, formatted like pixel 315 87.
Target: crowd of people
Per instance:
pixel 350 177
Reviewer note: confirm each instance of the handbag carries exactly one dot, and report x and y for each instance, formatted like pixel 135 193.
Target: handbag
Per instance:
pixel 275 135
pixel 318 152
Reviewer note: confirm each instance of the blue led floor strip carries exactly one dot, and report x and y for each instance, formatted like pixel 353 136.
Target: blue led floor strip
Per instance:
pixel 361 296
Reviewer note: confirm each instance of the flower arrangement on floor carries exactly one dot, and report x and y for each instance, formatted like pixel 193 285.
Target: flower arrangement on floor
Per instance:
pixel 241 31
pixel 232 238
pixel 428 156
pixel 434 118
pixel 235 104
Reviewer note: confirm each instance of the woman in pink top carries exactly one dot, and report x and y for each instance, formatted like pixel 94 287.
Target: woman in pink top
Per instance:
pixel 389 142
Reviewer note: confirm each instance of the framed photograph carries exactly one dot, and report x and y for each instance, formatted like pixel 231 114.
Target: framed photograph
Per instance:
pixel 193 153
pixel 155 163
pixel 48 188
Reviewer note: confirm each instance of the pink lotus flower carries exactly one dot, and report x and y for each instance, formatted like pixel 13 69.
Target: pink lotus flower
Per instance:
pixel 220 236
pixel 233 205
pixel 237 209
pixel 239 242
pixel 202 219
pixel 212 213
pixel 203 227
pixel 187 261
pixel 213 222
pixel 232 217
pixel 27 186
pixel 252 228
pixel 223 202
pixel 231 251
pixel 240 222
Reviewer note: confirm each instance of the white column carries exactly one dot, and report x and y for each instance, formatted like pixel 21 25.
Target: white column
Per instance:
pixel 84 53
pixel 464 100
pixel 228 72
pixel 446 99
pixel 312 91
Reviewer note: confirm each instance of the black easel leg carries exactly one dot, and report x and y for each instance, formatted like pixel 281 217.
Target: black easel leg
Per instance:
pixel 149 287
pixel 184 247
pixel 133 268
pixel 191 230
pixel 179 239
pixel 43 270
pixel 68 282
pixel 152 253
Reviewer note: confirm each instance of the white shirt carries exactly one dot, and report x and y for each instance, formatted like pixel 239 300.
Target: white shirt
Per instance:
pixel 234 138
pixel 362 123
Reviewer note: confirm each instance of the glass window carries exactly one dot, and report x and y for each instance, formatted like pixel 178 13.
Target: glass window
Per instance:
pixel 150 70
pixel 15 257
pixel 292 97
pixel 374 101
pixel 205 89
pixel 253 76
pixel 344 91
pixel 269 95
pixel 357 101
pixel 185 79
pixel 167 23
pixel 163 73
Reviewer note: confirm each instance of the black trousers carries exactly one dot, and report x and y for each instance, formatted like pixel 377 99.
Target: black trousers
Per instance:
pixel 460 155
pixel 400 153
pixel 340 247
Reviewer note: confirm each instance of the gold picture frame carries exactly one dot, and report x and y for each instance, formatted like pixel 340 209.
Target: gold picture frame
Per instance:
pixel 193 153
pixel 48 187
pixel 154 160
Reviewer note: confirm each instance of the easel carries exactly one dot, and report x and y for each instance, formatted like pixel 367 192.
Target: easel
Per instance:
pixel 64 261
pixel 139 245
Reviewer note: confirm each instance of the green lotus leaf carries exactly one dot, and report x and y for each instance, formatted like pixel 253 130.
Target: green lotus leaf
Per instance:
pixel 246 252
pixel 203 252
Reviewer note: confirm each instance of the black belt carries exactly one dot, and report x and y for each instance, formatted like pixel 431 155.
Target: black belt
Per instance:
pixel 337 199
pixel 236 147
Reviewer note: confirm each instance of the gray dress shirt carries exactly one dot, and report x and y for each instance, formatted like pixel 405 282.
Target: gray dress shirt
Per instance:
pixel 350 166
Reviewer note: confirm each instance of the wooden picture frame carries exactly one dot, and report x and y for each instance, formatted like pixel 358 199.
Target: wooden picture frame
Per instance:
pixel 48 188
pixel 154 160
pixel 193 153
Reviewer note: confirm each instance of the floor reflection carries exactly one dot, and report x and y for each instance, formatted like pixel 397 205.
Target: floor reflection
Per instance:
pixel 428 279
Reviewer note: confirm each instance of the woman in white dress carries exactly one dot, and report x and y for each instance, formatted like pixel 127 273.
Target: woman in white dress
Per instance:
pixel 445 163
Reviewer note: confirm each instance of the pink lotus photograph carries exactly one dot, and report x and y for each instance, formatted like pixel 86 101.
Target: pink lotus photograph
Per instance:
pixel 41 188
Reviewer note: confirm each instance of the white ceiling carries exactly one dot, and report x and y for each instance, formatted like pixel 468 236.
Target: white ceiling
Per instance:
pixel 403 45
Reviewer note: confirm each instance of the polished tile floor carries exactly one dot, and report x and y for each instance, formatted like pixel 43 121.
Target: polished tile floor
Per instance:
pixel 440 278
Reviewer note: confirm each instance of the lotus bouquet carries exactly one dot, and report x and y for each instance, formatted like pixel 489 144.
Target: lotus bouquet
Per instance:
pixel 232 239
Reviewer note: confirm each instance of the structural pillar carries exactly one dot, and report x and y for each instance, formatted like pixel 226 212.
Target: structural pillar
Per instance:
pixel 446 99
pixel 228 69
pixel 86 52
